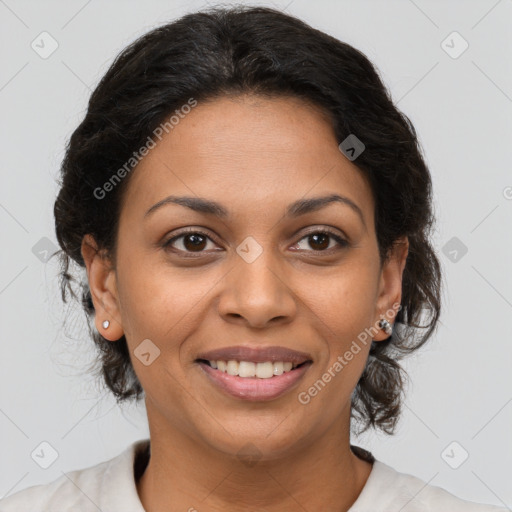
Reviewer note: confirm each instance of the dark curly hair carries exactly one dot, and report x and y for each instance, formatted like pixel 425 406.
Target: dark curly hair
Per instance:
pixel 258 50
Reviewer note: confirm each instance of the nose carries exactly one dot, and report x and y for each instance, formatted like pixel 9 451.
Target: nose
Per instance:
pixel 257 294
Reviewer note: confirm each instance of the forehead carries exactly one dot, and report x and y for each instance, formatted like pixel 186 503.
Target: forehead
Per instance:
pixel 248 149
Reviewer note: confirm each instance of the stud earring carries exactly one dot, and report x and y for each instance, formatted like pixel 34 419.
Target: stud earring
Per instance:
pixel 385 326
pixel 105 324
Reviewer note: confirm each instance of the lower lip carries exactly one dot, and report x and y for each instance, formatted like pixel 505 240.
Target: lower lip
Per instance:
pixel 253 388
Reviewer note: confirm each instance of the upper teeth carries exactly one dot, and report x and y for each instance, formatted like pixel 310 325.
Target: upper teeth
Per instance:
pixel 250 369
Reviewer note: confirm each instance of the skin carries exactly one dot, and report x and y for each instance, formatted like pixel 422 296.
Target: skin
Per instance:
pixel 255 156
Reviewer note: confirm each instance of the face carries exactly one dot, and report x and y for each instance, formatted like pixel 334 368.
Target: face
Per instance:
pixel 261 275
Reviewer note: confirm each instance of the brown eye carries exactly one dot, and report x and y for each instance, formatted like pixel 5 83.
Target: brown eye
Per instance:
pixel 192 241
pixel 319 241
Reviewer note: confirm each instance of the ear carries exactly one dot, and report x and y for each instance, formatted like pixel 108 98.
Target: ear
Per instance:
pixel 390 287
pixel 102 283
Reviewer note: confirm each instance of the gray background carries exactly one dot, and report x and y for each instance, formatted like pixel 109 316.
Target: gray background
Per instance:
pixel 462 109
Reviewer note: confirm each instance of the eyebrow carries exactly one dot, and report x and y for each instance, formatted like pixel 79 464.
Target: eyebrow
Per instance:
pixel 295 209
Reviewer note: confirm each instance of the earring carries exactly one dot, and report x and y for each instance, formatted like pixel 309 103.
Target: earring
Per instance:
pixel 385 326
pixel 105 324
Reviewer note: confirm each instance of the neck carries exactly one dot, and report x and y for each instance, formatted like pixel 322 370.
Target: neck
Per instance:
pixel 184 474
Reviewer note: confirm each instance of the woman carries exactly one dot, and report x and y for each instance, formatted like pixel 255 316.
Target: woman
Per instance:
pixel 253 214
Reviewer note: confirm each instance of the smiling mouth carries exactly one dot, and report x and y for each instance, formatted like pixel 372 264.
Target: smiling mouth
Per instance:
pixel 249 369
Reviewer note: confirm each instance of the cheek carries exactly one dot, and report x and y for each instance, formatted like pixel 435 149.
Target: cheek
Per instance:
pixel 345 300
pixel 342 306
pixel 154 293
pixel 164 306
pixel 161 303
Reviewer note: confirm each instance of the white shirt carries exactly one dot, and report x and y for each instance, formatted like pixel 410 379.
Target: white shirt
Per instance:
pixel 110 487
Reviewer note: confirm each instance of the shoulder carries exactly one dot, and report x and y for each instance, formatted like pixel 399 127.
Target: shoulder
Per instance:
pixel 74 489
pixel 389 490
pixel 90 489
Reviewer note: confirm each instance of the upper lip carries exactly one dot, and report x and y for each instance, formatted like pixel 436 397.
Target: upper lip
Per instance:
pixel 256 355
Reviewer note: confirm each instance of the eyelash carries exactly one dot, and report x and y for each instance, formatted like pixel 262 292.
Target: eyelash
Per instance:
pixel 341 241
